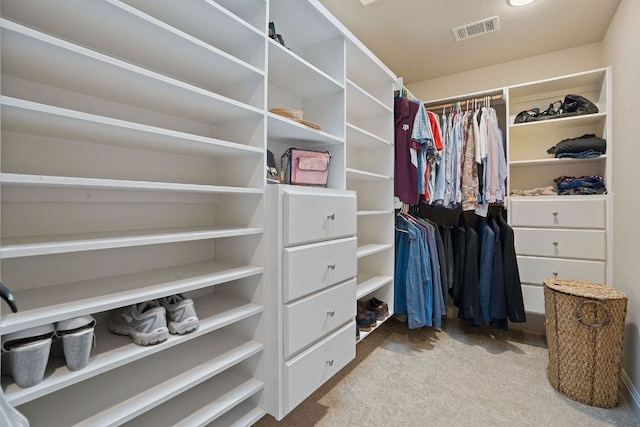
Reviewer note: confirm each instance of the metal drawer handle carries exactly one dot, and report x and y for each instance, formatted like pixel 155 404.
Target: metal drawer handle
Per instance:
pixel 555 274
pixel 331 313
pixel 331 217
pixel 555 213
pixel 330 362
pixel 332 266
pixel 555 243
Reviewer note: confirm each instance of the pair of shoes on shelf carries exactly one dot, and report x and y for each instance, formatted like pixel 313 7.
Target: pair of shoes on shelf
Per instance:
pixel 379 307
pixel 150 322
pixel 365 319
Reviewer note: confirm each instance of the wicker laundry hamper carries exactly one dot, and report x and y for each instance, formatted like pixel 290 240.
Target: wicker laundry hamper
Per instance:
pixel 584 323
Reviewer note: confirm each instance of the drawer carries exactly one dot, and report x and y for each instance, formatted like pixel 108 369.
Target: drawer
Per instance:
pixel 575 213
pixel 310 268
pixel 306 372
pixel 535 270
pixel 314 217
pixel 311 318
pixel 584 244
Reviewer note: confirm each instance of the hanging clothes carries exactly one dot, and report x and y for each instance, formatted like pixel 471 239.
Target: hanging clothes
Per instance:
pixel 512 285
pixel 469 185
pixel 448 174
pixel 474 264
pixel 421 278
pixel 406 165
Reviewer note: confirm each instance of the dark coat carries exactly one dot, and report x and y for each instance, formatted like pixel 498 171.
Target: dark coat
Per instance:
pixel 512 285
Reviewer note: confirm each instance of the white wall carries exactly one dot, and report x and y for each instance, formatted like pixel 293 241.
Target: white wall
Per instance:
pixel 540 67
pixel 620 50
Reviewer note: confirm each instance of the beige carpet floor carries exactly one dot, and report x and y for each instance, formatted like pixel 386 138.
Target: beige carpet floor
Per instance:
pixel 457 376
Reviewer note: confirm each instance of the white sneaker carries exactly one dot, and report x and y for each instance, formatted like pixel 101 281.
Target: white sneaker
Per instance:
pixel 145 323
pixel 181 314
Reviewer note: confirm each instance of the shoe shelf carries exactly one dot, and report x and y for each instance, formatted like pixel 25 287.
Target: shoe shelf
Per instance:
pixel 238 30
pixel 133 145
pixel 363 334
pixel 13 247
pixel 372 248
pixel 25 117
pixel 203 403
pixel 215 311
pixel 145 384
pixel 242 415
pixel 54 303
pixel 368 283
pixel 10 179
pixel 140 39
pixel 72 68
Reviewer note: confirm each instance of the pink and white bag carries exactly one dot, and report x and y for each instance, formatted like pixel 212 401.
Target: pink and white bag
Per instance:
pixel 305 167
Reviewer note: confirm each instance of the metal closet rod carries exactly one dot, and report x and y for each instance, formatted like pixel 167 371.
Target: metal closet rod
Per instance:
pixel 464 101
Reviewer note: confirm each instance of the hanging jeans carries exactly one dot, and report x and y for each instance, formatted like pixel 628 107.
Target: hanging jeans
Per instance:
pixel 411 275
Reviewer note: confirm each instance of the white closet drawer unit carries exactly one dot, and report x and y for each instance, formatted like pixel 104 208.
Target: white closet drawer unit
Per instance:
pixel 313 217
pixel 585 244
pixel 309 268
pixel 305 373
pixel 533 297
pixel 535 270
pixel 575 213
pixel 311 318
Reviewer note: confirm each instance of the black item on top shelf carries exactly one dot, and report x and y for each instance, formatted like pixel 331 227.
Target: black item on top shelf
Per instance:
pixel 572 105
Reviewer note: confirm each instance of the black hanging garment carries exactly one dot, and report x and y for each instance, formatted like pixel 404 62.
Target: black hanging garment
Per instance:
pixel 513 287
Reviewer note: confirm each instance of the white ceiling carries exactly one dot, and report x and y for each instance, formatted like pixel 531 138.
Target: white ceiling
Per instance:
pixel 414 38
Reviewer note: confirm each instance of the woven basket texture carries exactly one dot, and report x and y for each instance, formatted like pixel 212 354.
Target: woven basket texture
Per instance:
pixel 584 324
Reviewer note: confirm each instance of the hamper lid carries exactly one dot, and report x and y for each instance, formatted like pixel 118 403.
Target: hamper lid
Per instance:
pixel 584 289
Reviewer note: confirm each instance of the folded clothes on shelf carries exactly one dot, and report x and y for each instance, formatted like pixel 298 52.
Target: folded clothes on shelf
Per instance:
pixel 571 185
pixel 539 191
pixel 586 143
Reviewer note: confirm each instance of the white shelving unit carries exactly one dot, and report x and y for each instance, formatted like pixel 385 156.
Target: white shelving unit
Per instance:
pixel 370 163
pixel 132 168
pixel 133 141
pixel 564 236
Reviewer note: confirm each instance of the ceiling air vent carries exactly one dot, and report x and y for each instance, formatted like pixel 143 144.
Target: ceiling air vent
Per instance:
pixel 474 29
